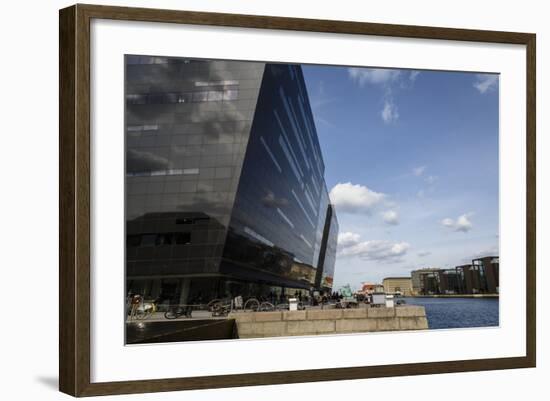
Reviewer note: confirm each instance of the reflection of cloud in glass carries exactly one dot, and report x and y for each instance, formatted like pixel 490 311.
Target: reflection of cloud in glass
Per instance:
pixel 140 161
pixel 270 200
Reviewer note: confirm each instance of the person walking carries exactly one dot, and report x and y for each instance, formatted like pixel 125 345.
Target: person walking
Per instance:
pixel 136 301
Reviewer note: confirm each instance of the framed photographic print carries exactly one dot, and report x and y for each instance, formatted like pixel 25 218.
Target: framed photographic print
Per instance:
pixel 250 200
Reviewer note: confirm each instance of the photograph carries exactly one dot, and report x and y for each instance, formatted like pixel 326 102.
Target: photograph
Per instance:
pixel 271 199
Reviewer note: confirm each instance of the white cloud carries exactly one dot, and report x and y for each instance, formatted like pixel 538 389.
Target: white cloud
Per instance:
pixel 387 78
pixel 348 239
pixel 462 223
pixel 350 245
pixel 413 75
pixel 418 171
pixel 374 76
pixel 378 250
pixel 423 254
pixel 354 198
pixel 391 217
pixel 448 222
pixel 389 113
pixel 486 82
pixel 318 101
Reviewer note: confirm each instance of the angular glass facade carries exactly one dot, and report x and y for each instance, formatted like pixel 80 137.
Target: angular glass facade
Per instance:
pixel 328 252
pixel 225 193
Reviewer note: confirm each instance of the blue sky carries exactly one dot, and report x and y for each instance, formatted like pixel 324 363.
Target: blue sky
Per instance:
pixel 411 165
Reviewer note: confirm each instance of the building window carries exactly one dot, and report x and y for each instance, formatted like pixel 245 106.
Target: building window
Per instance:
pixel 290 223
pixel 310 201
pixel 186 97
pixel 258 237
pixel 163 239
pixel 285 136
pixel 270 153
pixel 230 94
pixel 305 240
pixel 228 82
pixel 147 240
pixel 133 240
pixel 293 122
pixel 156 173
pixel 200 96
pixel 182 238
pixel 136 98
pixel 303 208
pixel 215 96
pixel 289 158
pixel 140 128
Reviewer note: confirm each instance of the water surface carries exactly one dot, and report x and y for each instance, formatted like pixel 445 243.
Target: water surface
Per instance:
pixel 452 313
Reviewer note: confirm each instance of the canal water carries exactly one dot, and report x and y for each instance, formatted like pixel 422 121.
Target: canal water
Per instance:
pixel 451 313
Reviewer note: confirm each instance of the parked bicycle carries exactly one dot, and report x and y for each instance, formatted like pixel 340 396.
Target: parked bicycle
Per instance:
pixel 143 310
pixel 220 307
pixel 177 311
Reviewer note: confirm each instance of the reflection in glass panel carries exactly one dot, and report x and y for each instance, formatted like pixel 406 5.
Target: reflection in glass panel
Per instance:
pixel 216 196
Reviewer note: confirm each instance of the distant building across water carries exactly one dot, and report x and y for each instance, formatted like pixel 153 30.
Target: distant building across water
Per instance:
pixel 479 277
pixel 398 285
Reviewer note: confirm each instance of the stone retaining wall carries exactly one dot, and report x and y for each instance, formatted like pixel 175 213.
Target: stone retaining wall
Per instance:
pixel 328 321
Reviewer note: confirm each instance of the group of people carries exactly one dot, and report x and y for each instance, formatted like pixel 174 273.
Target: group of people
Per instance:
pixel 305 297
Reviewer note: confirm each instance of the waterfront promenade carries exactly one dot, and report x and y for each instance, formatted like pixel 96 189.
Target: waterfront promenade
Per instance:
pixel 456 296
pixel 362 319
pixel 246 324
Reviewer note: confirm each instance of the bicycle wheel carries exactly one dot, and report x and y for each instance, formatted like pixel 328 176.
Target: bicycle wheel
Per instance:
pixel 213 304
pixel 251 305
pixel 219 310
pixel 266 307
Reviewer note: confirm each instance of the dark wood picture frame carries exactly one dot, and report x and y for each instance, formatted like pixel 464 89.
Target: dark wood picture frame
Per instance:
pixel 74 202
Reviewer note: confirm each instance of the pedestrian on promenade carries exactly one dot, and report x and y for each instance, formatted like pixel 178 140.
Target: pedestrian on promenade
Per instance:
pixel 136 300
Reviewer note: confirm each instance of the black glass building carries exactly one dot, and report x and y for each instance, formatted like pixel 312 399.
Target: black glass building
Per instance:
pixel 225 190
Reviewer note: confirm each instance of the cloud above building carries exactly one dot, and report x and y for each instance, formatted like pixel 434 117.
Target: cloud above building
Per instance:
pixel 413 75
pixel 389 113
pixel 390 217
pixel 373 76
pixel 355 198
pixel 347 239
pixel 460 224
pixel 389 80
pixel 350 245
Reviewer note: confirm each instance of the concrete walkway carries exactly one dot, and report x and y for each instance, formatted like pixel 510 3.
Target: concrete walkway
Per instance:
pixel 159 317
